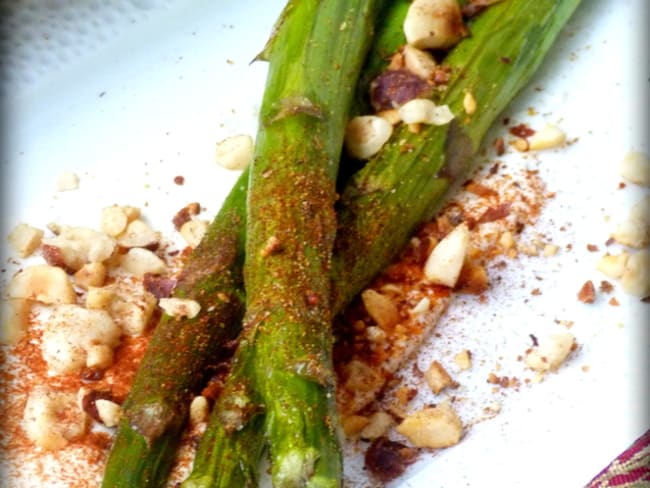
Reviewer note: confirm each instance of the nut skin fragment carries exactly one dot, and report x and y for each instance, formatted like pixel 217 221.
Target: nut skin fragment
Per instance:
pixel 395 87
pixel 587 293
pixel 386 459
pixel 185 214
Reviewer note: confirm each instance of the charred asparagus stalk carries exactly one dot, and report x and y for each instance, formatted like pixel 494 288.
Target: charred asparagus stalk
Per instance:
pixel 397 190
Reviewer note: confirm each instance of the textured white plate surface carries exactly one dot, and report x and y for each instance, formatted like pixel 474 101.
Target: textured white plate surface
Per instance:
pixel 130 94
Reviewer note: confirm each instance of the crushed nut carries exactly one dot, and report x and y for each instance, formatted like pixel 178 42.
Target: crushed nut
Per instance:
pixel 71 331
pixel 635 168
pixel 42 283
pixel 378 424
pixel 434 24
pixel 199 410
pixel 235 152
pixel 138 234
pixel 418 62
pixel 432 427
pixel 139 261
pixel 612 265
pixel 381 309
pixel 463 359
pixel 438 378
pixel 113 220
pixel 67 181
pixel 635 279
pixel 444 264
pixel 25 239
pixel 14 319
pixel 365 135
pixel 425 111
pixel 547 138
pixel 193 231
pixel 469 103
pixel 108 411
pixel 52 419
pixel 551 352
pixel 180 307
pixel 354 424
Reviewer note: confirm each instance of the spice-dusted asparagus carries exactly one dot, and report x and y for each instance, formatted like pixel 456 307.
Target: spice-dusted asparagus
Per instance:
pixel 405 184
pixel 173 367
pixel 180 351
pixel 282 369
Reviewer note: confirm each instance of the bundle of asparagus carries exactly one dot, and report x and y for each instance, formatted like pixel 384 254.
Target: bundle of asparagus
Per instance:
pixel 381 205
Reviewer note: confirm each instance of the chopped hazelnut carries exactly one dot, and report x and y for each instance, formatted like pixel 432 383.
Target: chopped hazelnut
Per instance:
pixel 432 427
pixel 438 378
pixel 25 239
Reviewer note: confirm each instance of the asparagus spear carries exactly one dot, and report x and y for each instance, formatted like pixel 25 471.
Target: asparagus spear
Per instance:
pixel 180 351
pixel 397 190
pixel 285 351
pixel 172 368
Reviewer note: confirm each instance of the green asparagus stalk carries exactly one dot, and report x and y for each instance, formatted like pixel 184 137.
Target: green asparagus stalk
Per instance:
pixel 180 351
pixel 404 185
pixel 315 59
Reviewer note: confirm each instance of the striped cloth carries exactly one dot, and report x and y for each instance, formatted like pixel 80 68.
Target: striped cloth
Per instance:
pixel 630 469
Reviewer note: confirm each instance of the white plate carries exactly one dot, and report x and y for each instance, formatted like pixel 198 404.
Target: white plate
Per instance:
pixel 129 95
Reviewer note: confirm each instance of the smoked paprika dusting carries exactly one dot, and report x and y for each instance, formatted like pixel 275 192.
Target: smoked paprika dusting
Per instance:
pixel 80 463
